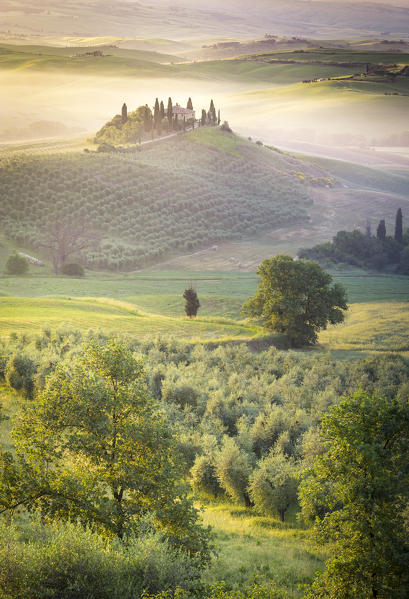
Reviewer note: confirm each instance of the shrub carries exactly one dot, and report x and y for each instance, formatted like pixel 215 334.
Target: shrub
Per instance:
pixel 73 269
pixel 66 561
pixel 19 373
pixel 16 265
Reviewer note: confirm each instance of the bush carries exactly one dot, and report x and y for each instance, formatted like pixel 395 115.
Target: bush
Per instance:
pixel 64 561
pixel 17 265
pixel 73 269
pixel 19 373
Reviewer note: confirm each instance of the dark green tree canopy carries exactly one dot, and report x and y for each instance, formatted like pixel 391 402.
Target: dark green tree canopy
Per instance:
pixel 381 230
pixel 296 298
pixel 399 226
pixel 357 493
pixel 192 303
pixel 16 265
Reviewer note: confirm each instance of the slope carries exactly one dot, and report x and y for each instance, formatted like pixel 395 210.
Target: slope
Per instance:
pixel 170 197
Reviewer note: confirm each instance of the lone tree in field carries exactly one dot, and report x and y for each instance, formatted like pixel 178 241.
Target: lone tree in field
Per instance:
pixel 399 226
pixel 192 303
pixel 357 494
pixel 381 230
pixel 296 298
pixel 64 238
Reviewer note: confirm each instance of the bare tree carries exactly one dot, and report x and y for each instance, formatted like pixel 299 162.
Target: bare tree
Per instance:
pixel 64 239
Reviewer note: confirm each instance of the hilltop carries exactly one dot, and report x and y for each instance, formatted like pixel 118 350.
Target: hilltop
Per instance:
pixel 169 198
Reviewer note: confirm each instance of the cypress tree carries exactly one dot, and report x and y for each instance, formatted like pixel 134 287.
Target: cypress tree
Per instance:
pixel 399 226
pixel 170 113
pixel 124 113
pixel 204 117
pixel 156 114
pixel 381 230
pixel 161 110
pixel 189 104
pixel 218 117
pixel 192 303
pixel 212 112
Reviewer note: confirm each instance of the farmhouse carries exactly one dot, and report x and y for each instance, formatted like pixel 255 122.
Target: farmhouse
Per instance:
pixel 181 113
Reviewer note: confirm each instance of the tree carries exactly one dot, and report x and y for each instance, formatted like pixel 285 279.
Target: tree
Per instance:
pixel 296 298
pixel 273 485
pixel 204 117
pixel 192 303
pixel 212 113
pixel 64 238
pixel 189 104
pixel 161 111
pixel 124 113
pixel 381 230
pixel 147 119
pixel 399 226
pixel 156 115
pixel 16 265
pixel 233 470
pixel 170 113
pixel 219 119
pixel 357 492
pixel 94 447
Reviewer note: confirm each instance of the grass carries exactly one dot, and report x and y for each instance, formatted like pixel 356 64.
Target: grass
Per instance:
pixel 279 552
pixel 378 326
pixel 151 303
pixel 363 176
pixel 29 315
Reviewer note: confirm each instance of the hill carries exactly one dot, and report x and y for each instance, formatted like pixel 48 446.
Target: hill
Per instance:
pixel 170 197
pixel 187 19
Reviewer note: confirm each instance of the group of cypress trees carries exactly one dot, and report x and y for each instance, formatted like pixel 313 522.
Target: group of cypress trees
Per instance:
pixel 156 121
pixel 381 229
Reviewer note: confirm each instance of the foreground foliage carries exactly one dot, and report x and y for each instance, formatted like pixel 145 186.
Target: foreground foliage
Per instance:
pixel 358 491
pixel 93 446
pixel 66 561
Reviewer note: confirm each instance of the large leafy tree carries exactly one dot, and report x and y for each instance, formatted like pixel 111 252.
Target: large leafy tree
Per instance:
pixel 296 298
pixel 93 446
pixel 358 492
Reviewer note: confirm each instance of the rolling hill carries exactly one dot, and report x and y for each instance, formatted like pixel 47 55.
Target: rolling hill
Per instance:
pixel 171 197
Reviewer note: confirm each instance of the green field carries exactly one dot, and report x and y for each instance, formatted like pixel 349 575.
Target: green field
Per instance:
pixel 151 303
pixel 279 552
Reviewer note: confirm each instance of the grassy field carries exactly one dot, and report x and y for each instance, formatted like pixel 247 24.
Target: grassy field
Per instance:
pixel 151 303
pixel 279 552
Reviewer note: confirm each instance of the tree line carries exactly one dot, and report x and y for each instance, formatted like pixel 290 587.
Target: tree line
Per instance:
pixel 378 252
